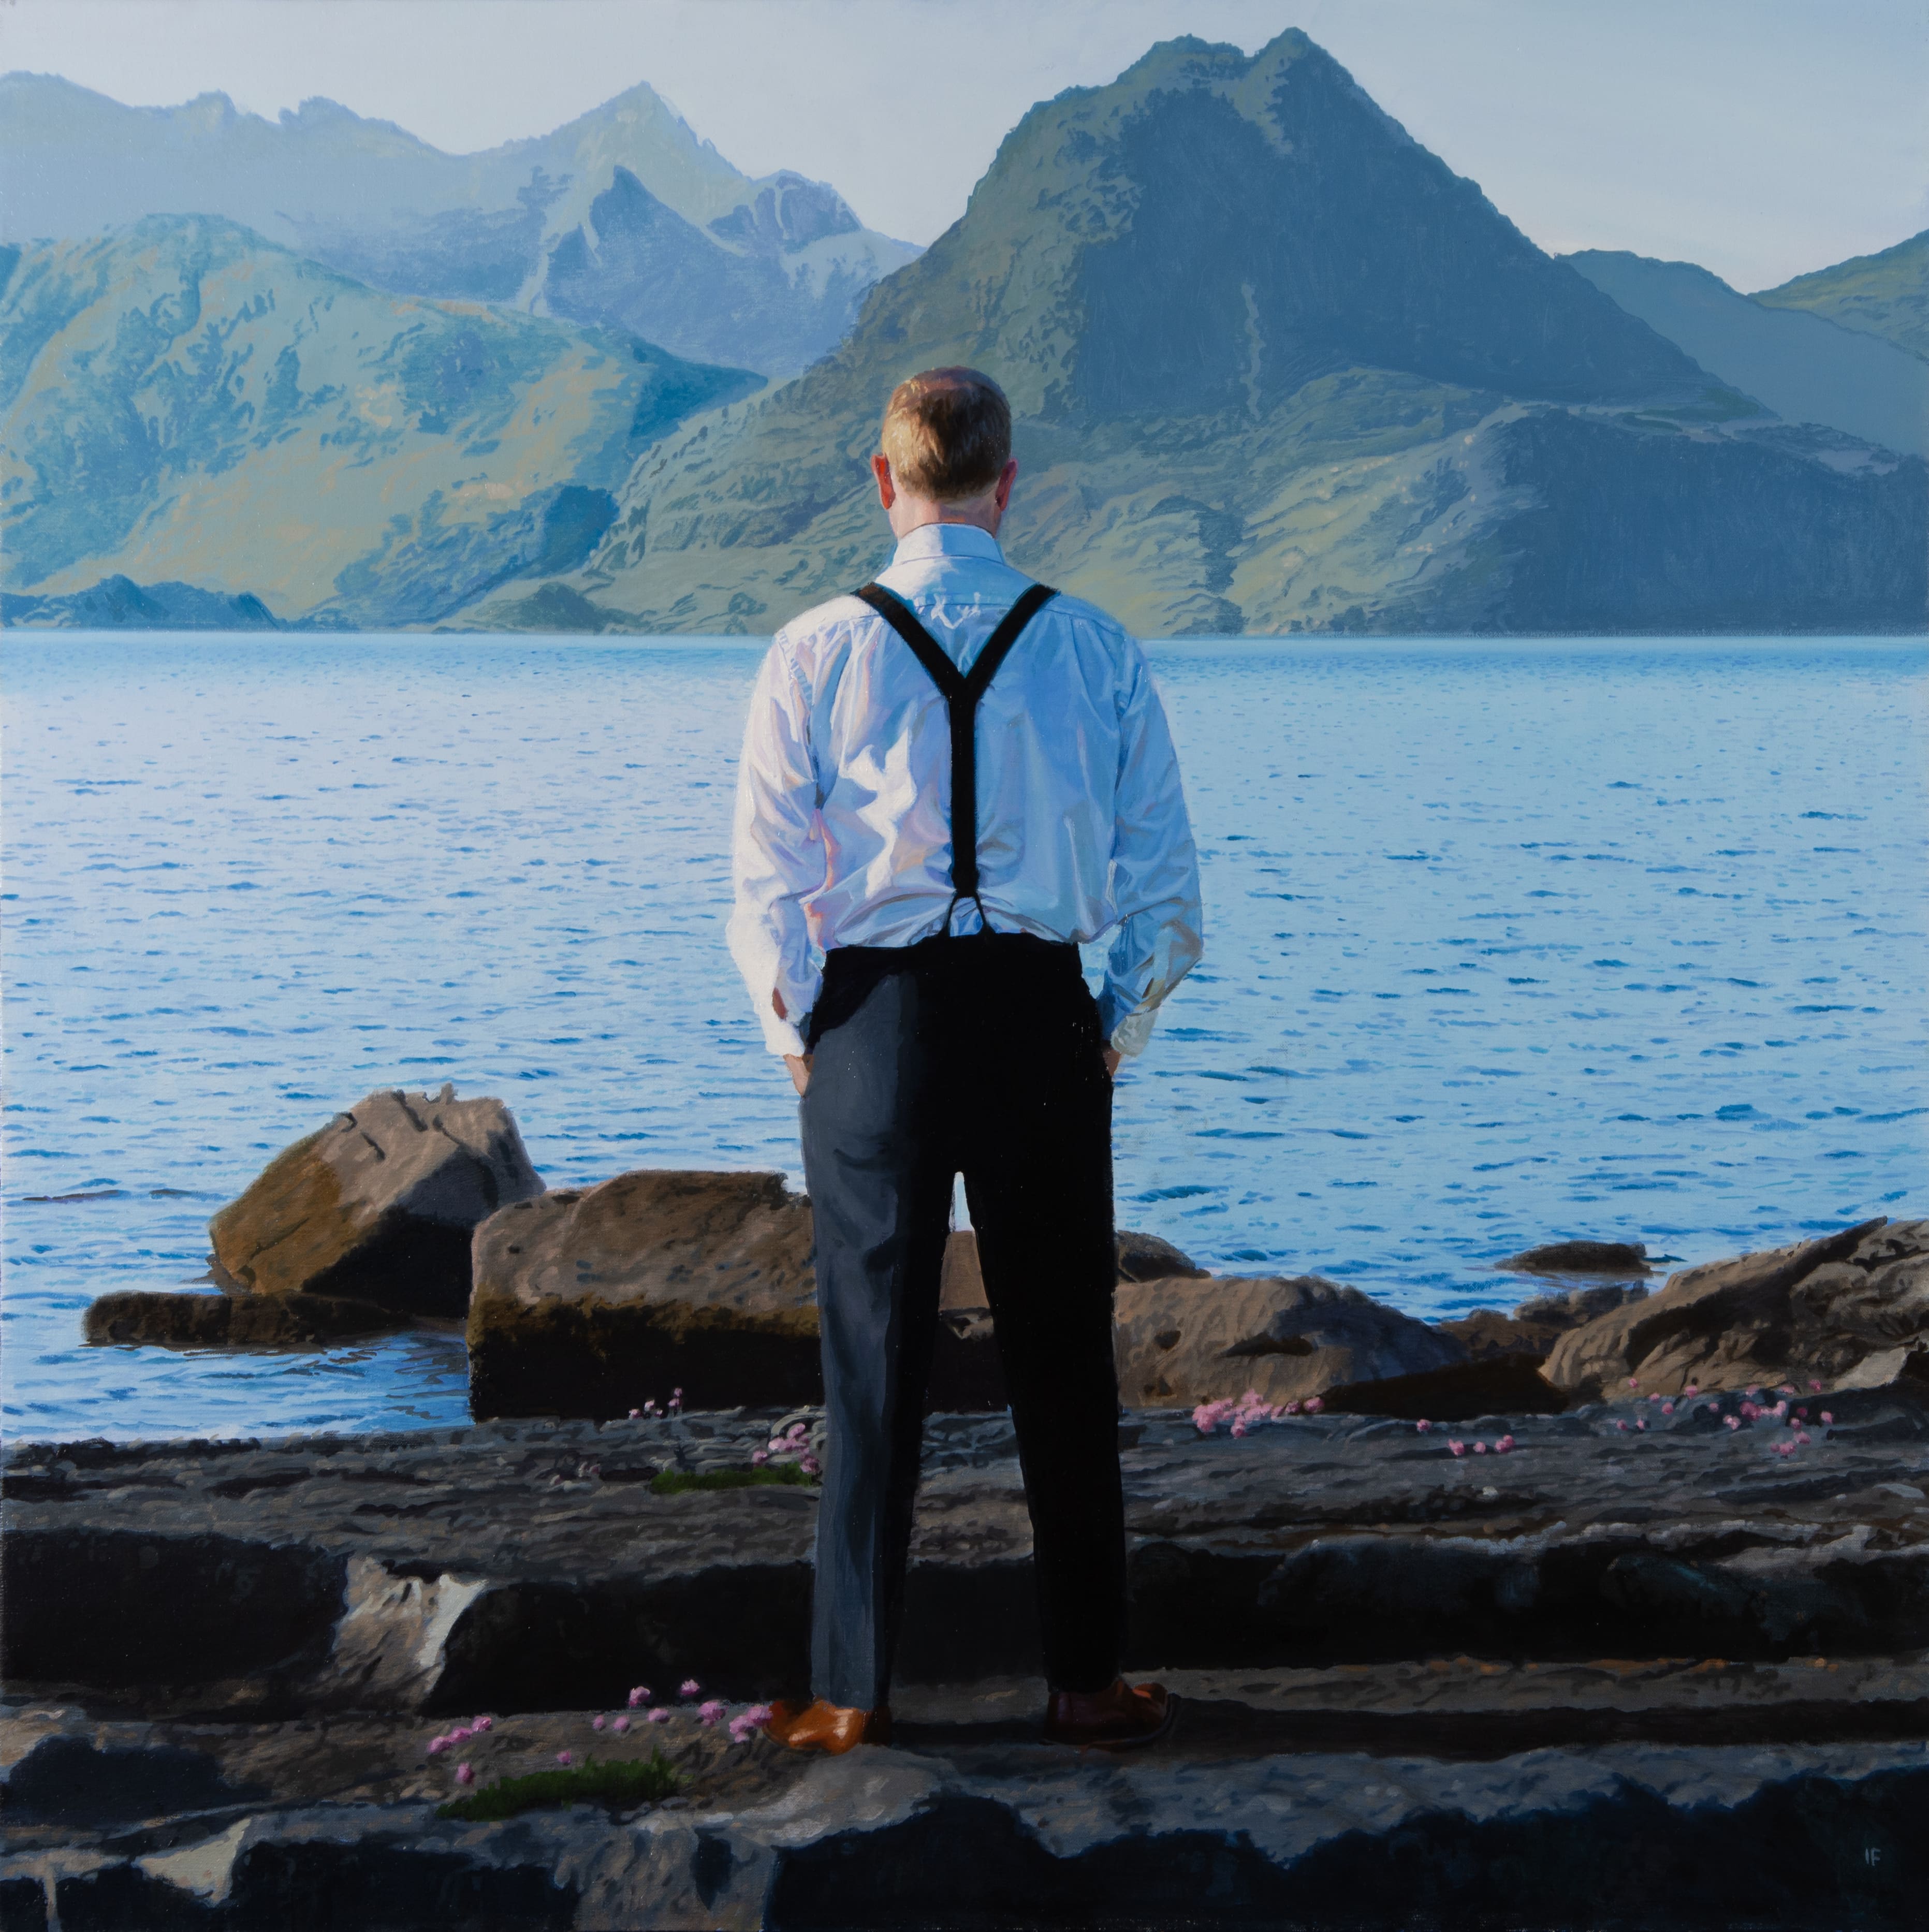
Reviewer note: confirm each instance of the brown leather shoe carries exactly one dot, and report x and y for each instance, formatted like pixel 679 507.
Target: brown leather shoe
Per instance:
pixel 830 1728
pixel 1119 1718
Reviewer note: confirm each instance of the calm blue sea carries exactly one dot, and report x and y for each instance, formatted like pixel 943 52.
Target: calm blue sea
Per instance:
pixel 1504 943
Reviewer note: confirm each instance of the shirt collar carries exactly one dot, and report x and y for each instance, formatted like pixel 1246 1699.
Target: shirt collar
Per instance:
pixel 930 540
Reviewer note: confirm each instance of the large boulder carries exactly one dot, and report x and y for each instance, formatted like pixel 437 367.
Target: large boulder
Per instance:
pixel 378 1206
pixel 591 1301
pixel 1181 1342
pixel 1812 1310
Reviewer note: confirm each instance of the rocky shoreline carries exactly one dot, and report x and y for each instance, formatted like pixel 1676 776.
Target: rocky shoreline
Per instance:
pixel 1610 1611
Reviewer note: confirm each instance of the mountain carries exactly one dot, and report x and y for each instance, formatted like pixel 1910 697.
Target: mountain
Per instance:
pixel 1805 369
pixel 1276 368
pixel 710 264
pixel 187 407
pixel 1886 295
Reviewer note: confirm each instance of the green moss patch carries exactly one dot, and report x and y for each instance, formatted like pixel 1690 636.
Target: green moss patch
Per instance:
pixel 628 1781
pixel 674 1482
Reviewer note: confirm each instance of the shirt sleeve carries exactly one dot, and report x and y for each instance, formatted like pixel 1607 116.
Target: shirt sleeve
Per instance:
pixel 1155 869
pixel 777 853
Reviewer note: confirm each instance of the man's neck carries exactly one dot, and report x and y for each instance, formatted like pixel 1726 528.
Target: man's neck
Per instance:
pixel 912 513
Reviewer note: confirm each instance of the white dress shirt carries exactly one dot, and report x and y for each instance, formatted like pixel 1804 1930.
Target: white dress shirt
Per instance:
pixel 843 834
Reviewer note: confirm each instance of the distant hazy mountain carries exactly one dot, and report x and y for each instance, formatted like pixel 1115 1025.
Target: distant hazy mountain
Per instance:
pixel 1886 295
pixel 1805 369
pixel 1277 368
pixel 654 231
pixel 187 407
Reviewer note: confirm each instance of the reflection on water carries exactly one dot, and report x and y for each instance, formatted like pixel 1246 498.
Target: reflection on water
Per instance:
pixel 1504 943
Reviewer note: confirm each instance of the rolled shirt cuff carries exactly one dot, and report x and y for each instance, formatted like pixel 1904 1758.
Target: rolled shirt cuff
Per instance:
pixel 1130 1036
pixel 782 1036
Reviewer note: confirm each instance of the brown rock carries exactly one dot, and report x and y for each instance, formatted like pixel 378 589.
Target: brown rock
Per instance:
pixel 1535 1326
pixel 1147 1258
pixel 1580 1258
pixel 1179 1342
pixel 378 1206
pixel 165 1321
pixel 1725 1324
pixel 587 1302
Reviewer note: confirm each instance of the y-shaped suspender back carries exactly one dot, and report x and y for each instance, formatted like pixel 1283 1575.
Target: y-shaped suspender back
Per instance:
pixel 962 693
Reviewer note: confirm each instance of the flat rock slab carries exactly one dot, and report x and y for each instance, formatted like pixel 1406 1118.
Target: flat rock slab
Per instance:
pixel 521 1566
pixel 961 1825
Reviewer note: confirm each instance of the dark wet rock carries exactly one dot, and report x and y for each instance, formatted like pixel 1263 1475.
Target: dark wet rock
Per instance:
pixel 588 1302
pixel 1557 1257
pixel 1181 1341
pixel 159 1319
pixel 1495 1385
pixel 377 1207
pixel 1535 1326
pixel 1148 1257
pixel 1812 1311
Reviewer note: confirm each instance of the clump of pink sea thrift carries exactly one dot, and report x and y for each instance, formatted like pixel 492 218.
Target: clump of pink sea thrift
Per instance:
pixel 758 1457
pixel 1827 1416
pixel 1634 1381
pixel 656 1715
pixel 1639 1423
pixel 675 1402
pixel 639 1694
pixel 689 1688
pixel 1733 1421
pixel 1243 1413
pixel 1504 1446
pixel 596 1722
pixel 618 1724
pixel 465 1774
pixel 1814 1385
pixel 710 1710
pixel 1457 1448
pixel 1667 1408
pixel 1480 1448
pixel 563 1757
pixel 634 1413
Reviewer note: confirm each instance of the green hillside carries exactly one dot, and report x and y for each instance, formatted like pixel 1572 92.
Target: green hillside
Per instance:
pixel 182 404
pixel 1886 295
pixel 1276 368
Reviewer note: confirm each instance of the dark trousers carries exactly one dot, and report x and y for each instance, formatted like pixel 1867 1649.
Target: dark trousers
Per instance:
pixel 980 1056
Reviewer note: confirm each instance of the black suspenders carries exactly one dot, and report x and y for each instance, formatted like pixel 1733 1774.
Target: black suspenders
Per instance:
pixel 961 694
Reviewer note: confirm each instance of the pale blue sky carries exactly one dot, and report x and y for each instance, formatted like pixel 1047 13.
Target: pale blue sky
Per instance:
pixel 1760 138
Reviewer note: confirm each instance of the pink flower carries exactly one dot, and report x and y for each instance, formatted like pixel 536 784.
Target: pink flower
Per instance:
pixel 759 1714
pixel 1784 1448
pixel 437 1745
pixel 1752 1392
pixel 1480 1448
pixel 485 1724
pixel 1814 1386
pixel 1713 1408
pixel 1733 1421
pixel 1802 1415
pixel 1801 1438
pixel 596 1722
pixel 1457 1448
pixel 639 1694
pixel 710 1710
pixel 1622 1426
pixel 465 1774
pixel 1423 1425
pixel 1786 1388
pixel 1292 1408
pixel 656 1715
pixel 1693 1388
pixel 634 1413
pixel 1654 1398
pixel 563 1757
pixel 460 1736
pixel 1314 1404
pixel 810 1465
pixel 1634 1382
pixel 1639 1423
pixel 1239 1429
pixel 758 1457
pixel 618 1724
pixel 689 1688
pixel 1827 1416
pixel 1667 1408
pixel 740 1730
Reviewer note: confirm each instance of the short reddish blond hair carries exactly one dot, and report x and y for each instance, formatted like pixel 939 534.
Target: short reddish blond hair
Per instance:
pixel 947 433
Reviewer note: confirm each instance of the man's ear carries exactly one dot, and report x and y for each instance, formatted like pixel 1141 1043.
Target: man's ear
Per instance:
pixel 1002 494
pixel 880 468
